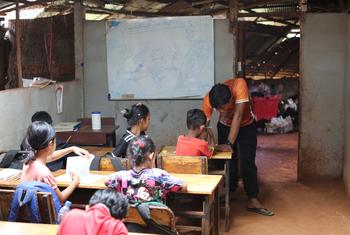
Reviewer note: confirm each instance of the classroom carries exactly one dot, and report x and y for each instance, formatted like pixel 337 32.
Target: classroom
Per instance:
pixel 175 117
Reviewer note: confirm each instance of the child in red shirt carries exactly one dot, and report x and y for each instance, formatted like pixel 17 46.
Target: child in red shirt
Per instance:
pixel 193 144
pixel 103 216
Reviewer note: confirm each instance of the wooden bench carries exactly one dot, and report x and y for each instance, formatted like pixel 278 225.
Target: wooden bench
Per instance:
pixel 183 164
pixel 170 151
pixel 160 214
pixel 186 165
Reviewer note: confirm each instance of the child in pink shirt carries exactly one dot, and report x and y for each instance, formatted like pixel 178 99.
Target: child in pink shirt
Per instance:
pixel 41 137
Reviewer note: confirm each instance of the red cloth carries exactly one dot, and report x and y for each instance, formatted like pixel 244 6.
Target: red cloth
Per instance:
pixel 94 221
pixel 189 146
pixel 266 107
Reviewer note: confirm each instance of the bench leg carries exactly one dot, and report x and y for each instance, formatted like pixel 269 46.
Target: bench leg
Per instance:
pixel 227 196
pixel 217 211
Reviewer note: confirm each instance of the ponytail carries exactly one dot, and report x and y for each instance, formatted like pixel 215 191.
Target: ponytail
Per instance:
pixel 139 148
pixel 135 114
pixel 39 135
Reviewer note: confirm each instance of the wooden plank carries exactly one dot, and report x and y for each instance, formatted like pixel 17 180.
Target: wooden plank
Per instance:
pixel 98 151
pixel 162 215
pixel 171 150
pixel 183 164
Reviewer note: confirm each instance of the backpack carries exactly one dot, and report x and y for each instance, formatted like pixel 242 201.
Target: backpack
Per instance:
pixel 26 195
pixel 13 159
pixel 116 162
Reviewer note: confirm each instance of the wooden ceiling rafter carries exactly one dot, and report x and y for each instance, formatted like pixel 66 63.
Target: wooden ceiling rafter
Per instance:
pixel 277 20
pixel 284 61
pixel 257 3
pixel 13 8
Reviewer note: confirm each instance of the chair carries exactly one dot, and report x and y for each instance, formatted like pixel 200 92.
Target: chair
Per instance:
pixel 183 164
pixel 160 214
pixel 45 202
pixel 186 165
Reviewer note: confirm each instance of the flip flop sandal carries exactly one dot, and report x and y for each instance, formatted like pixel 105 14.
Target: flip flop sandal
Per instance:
pixel 262 211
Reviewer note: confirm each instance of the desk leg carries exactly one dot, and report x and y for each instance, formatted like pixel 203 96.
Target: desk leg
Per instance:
pixel 217 211
pixel 206 223
pixel 227 195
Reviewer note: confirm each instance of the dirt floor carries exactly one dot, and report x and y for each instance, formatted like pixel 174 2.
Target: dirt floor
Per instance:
pixel 300 208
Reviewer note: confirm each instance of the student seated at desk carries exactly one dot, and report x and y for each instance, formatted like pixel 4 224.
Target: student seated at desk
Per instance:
pixel 103 216
pixel 194 143
pixel 138 118
pixel 63 149
pixel 143 183
pixel 41 138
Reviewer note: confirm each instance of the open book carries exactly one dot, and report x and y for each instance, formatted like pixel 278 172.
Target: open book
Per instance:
pixel 80 166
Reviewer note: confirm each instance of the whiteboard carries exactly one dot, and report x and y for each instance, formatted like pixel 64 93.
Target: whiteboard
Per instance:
pixel 160 58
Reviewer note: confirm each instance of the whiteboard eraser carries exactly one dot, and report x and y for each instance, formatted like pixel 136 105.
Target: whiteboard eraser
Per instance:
pixel 128 96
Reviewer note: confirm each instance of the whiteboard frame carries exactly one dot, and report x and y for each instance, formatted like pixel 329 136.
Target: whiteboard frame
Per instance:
pixel 108 26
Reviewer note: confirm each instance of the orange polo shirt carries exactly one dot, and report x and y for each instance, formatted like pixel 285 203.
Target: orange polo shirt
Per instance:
pixel 188 146
pixel 240 94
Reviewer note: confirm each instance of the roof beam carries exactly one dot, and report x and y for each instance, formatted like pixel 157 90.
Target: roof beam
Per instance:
pixel 276 20
pixel 292 14
pixel 43 3
pixel 284 61
pixel 260 2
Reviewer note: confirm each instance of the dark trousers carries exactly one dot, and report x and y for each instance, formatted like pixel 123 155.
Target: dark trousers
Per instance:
pixel 244 148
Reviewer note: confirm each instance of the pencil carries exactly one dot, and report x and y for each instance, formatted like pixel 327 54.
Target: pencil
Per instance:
pixel 68 139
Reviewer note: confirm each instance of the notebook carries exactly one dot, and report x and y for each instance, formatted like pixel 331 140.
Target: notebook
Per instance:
pixel 66 126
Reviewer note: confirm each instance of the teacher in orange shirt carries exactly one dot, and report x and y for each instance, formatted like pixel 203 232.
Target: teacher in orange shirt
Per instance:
pixel 237 128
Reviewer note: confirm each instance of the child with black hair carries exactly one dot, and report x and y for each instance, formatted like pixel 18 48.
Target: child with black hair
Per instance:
pixel 41 138
pixel 193 144
pixel 143 183
pixel 138 118
pixel 104 216
pixel 63 149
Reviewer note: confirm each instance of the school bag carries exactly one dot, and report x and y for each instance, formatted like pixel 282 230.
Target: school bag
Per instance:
pixel 115 161
pixel 13 159
pixel 26 195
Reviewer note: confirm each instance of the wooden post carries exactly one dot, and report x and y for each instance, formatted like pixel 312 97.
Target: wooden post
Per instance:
pixel 79 18
pixel 18 46
pixel 241 56
pixel 233 17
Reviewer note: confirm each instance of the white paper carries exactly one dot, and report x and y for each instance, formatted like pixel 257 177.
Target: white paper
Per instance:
pixel 79 165
pixel 59 97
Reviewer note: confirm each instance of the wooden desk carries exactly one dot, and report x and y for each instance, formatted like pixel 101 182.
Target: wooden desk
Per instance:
pixel 86 136
pixel 171 150
pixel 225 156
pixel 98 151
pixel 15 228
pixel 204 185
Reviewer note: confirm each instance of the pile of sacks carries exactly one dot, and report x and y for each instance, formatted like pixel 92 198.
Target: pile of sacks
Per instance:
pixel 279 125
